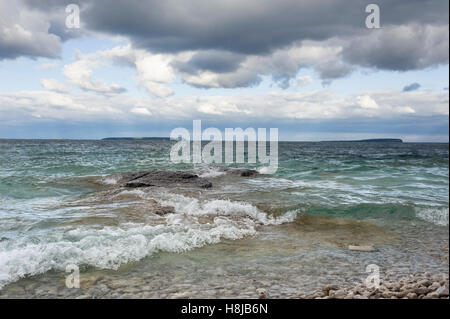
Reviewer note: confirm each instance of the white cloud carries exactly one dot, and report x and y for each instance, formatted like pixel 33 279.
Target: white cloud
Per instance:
pixel 141 111
pixel 366 102
pixel 317 105
pixel 153 71
pixel 282 64
pixel 154 68
pixel 25 32
pixel 53 85
pixel 79 73
pixel 304 80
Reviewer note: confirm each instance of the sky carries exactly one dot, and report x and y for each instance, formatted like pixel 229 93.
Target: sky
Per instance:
pixel 138 68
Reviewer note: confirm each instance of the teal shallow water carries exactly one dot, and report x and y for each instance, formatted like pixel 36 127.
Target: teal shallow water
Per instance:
pixel 54 212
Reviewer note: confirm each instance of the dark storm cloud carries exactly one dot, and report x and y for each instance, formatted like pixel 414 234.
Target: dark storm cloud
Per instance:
pixel 33 31
pixel 411 87
pixel 253 26
pixel 215 61
pixel 400 48
pixel 250 27
pixel 333 70
pixel 414 33
pixel 58 28
pixel 55 11
pixel 15 50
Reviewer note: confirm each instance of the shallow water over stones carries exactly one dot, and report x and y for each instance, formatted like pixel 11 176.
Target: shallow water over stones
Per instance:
pixel 283 260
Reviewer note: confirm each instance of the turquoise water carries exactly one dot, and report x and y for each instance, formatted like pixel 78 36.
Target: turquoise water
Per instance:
pixel 58 206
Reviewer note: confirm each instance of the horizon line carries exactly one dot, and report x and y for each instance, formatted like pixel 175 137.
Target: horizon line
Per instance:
pixel 165 138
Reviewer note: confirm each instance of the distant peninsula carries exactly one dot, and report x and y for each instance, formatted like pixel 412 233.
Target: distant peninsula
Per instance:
pixel 376 140
pixel 136 138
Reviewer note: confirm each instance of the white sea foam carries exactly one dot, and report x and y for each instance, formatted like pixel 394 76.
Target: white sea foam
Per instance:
pixel 437 216
pixel 264 170
pixel 190 206
pixel 211 172
pixel 110 247
pixel 110 180
pixel 220 207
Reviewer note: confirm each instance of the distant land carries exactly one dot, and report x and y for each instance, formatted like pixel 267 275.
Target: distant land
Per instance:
pixel 137 138
pixel 378 140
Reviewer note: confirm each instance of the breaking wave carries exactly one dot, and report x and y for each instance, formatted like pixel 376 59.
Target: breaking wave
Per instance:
pixel 195 224
pixel 437 216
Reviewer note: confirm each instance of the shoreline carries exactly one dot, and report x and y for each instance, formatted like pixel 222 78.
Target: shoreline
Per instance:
pixel 415 286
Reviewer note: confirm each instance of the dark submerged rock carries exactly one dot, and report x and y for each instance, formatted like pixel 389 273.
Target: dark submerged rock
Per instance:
pixel 160 210
pixel 162 178
pixel 244 172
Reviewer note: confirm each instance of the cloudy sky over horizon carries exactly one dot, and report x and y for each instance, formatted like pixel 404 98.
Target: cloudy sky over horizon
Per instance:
pixel 141 68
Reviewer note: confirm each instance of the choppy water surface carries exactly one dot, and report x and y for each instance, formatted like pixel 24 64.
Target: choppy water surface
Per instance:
pixel 287 232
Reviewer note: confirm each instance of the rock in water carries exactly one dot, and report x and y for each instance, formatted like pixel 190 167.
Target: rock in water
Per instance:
pixel 361 248
pixel 244 172
pixel 262 293
pixel 162 178
pixel 327 290
pixel 158 209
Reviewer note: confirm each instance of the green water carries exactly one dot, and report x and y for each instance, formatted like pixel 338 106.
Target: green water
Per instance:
pixel 54 212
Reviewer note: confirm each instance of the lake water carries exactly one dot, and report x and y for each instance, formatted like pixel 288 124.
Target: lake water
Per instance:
pixel 286 232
